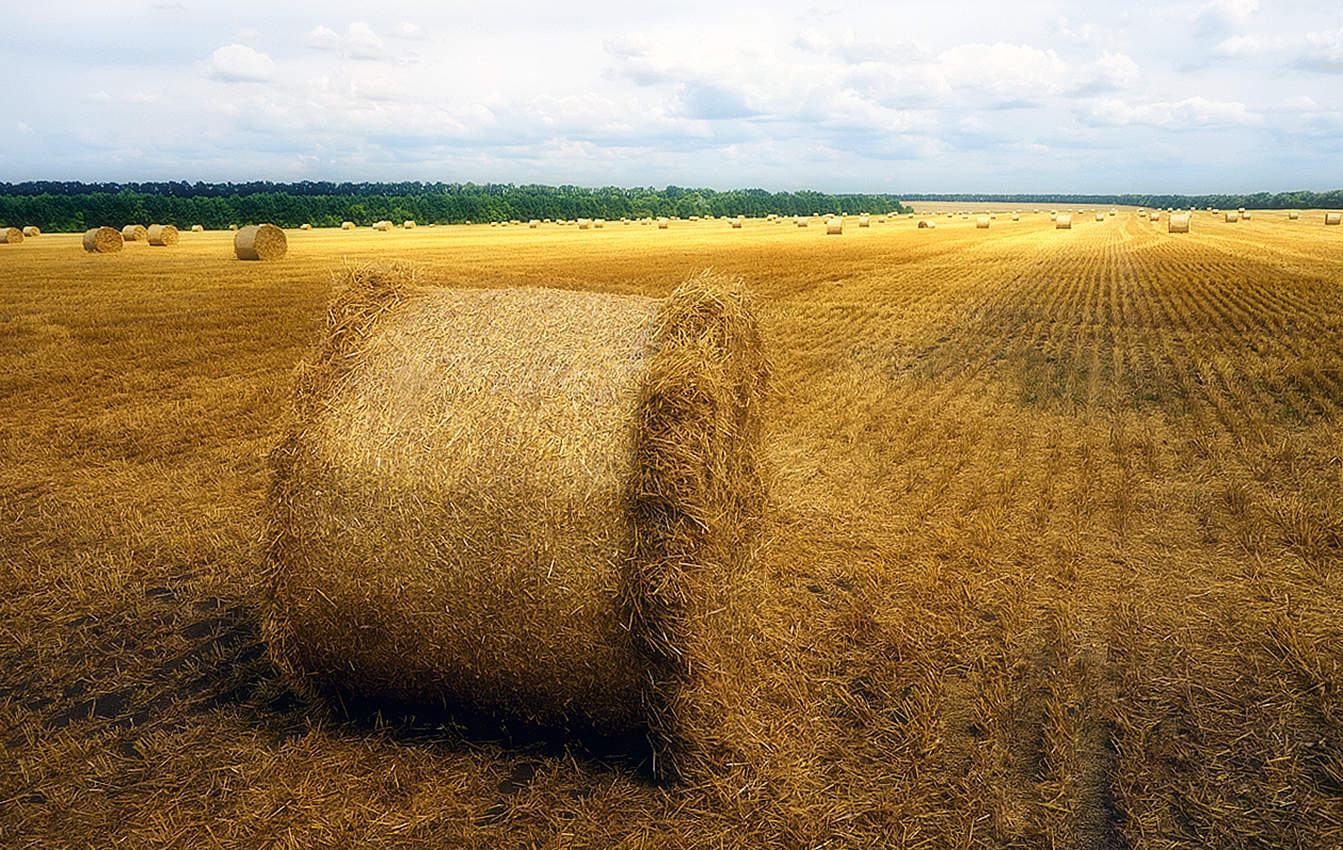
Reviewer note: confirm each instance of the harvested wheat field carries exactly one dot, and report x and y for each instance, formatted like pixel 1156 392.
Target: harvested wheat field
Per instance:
pixel 1051 556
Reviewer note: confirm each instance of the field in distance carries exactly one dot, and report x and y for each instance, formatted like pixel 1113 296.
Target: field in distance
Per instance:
pixel 1054 554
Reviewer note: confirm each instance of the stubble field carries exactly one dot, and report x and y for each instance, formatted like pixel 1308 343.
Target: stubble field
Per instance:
pixel 1053 555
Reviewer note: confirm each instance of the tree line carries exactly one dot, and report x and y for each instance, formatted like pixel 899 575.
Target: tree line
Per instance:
pixel 74 207
pixel 1302 199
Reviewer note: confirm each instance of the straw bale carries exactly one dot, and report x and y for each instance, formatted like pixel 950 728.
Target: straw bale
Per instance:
pixel 534 223
pixel 1232 216
pixel 1293 215
pixel 163 235
pixel 31 231
pixel 408 224
pixel 1016 216
pixel 196 228
pixel 803 221
pixel 927 224
pixel 1245 216
pixel 982 223
pixel 1154 216
pixel 103 240
pixel 663 224
pixel 11 235
pixel 584 223
pixel 736 223
pixel 260 242
pixel 233 227
pixel 598 223
pixel 347 225
pixel 447 527
pixel 1100 216
pixel 305 226
pixel 387 225
pixel 1333 218
pixel 135 233
pixel 1063 222
pixel 1178 223
pixel 834 226
pixel 864 221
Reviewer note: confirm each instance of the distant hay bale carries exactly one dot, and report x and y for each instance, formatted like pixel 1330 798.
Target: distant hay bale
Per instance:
pixel 1114 212
pixel 598 223
pixel 11 235
pixel 347 225
pixel 1333 218
pixel 927 224
pixel 408 224
pixel 233 227
pixel 1156 216
pixel 1053 216
pixel 196 228
pixel 663 224
pixel 135 233
pixel 834 226
pixel 1178 223
pixel 803 221
pixel 736 223
pixel 1293 215
pixel 30 231
pixel 1016 216
pixel 1063 222
pixel 534 223
pixel 383 226
pixel 864 221
pixel 1232 216
pixel 446 526
pixel 305 226
pixel 162 235
pixel 584 223
pixel 1245 216
pixel 260 242
pixel 982 223
pixel 103 240
pixel 1100 216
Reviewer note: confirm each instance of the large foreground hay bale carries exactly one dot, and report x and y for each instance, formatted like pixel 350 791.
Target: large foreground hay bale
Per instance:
pixel 446 526
pixel 163 235
pixel 103 240
pixel 135 233
pixel 1063 222
pixel 1332 218
pixel 1178 223
pixel 260 242
pixel 31 231
pixel 11 235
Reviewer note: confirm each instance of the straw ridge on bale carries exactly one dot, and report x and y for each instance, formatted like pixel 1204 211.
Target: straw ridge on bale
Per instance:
pixel 530 502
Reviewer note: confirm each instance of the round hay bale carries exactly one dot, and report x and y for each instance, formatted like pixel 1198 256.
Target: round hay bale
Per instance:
pixel 162 235
pixel 447 527
pixel 1100 216
pixel 135 233
pixel 233 227
pixel 736 223
pixel 598 223
pixel 1293 215
pixel 30 231
pixel 1063 222
pixel 982 223
pixel 305 226
pixel 408 224
pixel 1232 216
pixel 11 235
pixel 1154 216
pixel 385 226
pixel 260 242
pixel 1016 216
pixel 803 221
pixel 584 223
pixel 1333 218
pixel 663 224
pixel 196 228
pixel 927 224
pixel 1178 223
pixel 347 225
pixel 533 224
pixel 864 221
pixel 103 240
pixel 1245 216
pixel 834 226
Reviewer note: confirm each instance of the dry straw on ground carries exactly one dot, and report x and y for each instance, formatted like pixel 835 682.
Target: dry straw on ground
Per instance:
pixel 103 240
pixel 1063 222
pixel 32 230
pixel 135 233
pixel 162 235
pixel 260 242
pixel 11 235
pixel 447 526
pixel 1333 218
pixel 1178 223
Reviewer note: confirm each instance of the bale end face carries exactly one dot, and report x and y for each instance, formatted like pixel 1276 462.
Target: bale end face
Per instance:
pixel 260 242
pixel 162 235
pixel 102 240
pixel 135 233
pixel 556 564
pixel 31 231
pixel 11 235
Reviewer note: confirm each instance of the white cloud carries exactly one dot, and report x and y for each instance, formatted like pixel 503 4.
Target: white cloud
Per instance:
pixel 363 43
pixel 1193 112
pixel 239 63
pixel 322 38
pixel 1326 45
pixel 409 30
pixel 23 127
pixel 1237 46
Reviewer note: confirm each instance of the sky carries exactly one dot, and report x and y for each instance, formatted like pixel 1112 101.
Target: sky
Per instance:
pixel 1030 96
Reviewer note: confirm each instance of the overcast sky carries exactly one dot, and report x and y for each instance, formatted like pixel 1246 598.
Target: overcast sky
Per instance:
pixel 1032 95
